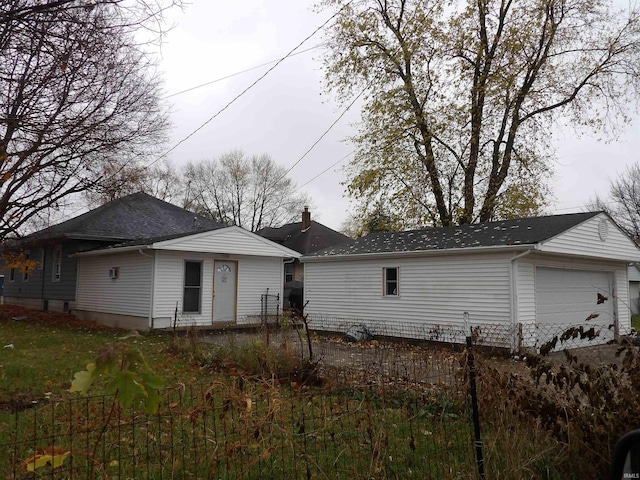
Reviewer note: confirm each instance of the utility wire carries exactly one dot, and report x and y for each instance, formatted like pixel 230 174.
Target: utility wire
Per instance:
pixel 323 134
pixel 326 170
pixel 246 89
pixel 240 72
pixel 291 53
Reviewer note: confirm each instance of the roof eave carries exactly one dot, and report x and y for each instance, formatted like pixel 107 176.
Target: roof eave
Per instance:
pixel 419 253
pixel 106 251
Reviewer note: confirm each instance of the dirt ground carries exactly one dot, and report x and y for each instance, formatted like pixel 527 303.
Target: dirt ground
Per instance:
pixel 426 363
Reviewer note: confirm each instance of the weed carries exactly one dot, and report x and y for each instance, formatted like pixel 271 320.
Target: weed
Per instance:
pixel 577 411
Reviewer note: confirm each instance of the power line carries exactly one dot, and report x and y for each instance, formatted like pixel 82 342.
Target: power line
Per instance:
pixel 323 134
pixel 326 170
pixel 241 72
pixel 246 89
pixel 291 53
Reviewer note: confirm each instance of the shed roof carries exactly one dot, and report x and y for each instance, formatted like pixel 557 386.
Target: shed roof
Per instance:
pixel 524 231
pixel 132 217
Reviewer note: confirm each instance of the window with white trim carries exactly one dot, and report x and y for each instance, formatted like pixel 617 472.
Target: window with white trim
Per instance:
pixel 25 272
pixel 390 275
pixel 288 272
pixel 57 263
pixel 192 296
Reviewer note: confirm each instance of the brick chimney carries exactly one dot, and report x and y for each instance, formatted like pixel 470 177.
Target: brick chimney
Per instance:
pixel 306 218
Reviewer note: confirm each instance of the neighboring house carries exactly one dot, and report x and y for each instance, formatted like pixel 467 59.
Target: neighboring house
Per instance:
pixel 521 282
pixel 52 285
pixel 634 288
pixel 304 237
pixel 215 277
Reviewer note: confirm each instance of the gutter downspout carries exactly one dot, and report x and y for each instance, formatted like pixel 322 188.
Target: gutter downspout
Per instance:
pixel 516 340
pixel 153 289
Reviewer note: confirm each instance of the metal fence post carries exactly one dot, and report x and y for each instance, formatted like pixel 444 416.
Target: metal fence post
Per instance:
pixel 474 397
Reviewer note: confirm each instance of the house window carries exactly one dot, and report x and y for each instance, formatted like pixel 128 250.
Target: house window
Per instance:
pixel 25 273
pixel 12 275
pixel 288 272
pixel 192 287
pixel 57 263
pixel 390 281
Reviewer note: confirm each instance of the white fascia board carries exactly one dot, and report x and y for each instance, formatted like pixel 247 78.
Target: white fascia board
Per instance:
pixel 278 250
pixel 420 253
pixel 551 251
pixel 109 251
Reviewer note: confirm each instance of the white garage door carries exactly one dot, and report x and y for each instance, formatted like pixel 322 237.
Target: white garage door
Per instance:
pixel 572 298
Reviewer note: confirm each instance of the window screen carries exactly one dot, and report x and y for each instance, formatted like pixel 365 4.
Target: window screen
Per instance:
pixel 192 287
pixel 391 281
pixel 57 263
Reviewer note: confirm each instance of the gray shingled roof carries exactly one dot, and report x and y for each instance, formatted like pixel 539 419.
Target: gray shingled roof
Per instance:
pixel 525 231
pixel 135 216
pixel 316 237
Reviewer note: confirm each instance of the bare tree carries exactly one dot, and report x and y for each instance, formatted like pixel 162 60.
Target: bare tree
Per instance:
pixel 120 178
pixel 251 192
pixel 78 93
pixel 623 203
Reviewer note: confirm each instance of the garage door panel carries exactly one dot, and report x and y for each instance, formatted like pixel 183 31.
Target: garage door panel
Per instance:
pixel 566 298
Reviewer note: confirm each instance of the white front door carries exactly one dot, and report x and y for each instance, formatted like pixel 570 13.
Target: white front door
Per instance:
pixel 225 292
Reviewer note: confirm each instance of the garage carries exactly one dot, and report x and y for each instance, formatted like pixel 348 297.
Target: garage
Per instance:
pixel 567 298
pixel 518 283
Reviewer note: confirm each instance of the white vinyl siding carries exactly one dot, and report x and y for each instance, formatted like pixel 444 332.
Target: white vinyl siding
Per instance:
pixel 584 240
pixel 433 291
pixel 255 276
pixel 129 294
pixel 169 284
pixel 229 240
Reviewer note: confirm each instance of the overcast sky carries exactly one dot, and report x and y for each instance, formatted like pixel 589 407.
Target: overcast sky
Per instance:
pixel 285 113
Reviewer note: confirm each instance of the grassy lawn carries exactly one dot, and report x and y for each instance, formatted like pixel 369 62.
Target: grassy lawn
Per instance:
pixel 635 322
pixel 211 423
pixel 39 354
pixel 222 421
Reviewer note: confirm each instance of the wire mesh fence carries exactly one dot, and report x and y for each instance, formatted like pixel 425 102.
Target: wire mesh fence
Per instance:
pixel 518 338
pixel 250 428
pixel 370 404
pixel 201 432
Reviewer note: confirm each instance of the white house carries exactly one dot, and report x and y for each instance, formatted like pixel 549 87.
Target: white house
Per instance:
pixel 634 288
pixel 520 283
pixel 213 277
